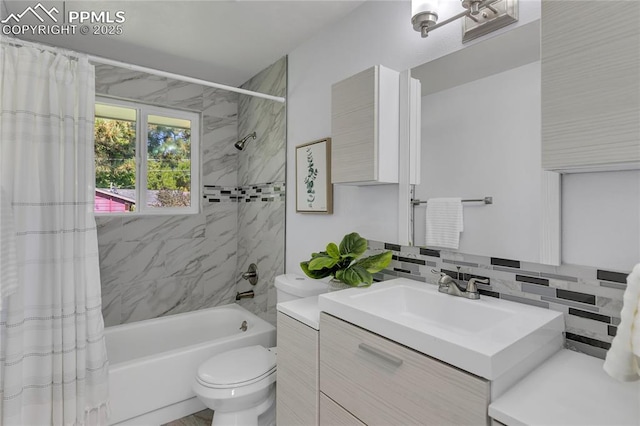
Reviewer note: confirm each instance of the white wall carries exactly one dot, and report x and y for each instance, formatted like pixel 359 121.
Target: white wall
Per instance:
pixel 601 219
pixel 4 12
pixel 378 32
pixel 483 139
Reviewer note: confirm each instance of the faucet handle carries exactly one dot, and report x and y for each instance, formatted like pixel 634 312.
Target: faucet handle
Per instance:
pixel 445 279
pixel 442 274
pixel 472 288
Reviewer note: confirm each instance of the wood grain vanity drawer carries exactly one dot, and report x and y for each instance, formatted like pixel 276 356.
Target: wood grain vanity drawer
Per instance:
pixel 331 414
pixel 384 383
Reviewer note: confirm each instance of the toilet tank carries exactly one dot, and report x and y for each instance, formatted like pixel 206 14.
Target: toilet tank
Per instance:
pixel 293 286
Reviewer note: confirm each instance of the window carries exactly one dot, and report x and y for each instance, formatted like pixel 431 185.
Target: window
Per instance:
pixel 146 159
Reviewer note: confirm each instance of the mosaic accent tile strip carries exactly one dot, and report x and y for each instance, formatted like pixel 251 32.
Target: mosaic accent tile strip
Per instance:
pixel 271 191
pixel 220 194
pixel 589 298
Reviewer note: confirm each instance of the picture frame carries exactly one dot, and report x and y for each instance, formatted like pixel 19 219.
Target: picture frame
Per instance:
pixel 314 190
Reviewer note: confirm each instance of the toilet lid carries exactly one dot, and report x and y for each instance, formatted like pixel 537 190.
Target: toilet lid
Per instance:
pixel 240 366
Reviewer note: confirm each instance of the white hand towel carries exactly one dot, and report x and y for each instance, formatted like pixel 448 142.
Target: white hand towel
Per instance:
pixel 8 264
pixel 444 222
pixel 622 361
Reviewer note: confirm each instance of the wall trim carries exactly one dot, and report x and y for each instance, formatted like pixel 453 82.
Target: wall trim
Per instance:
pixel 550 218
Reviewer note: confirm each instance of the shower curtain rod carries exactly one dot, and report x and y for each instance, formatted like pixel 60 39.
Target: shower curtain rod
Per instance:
pixel 160 73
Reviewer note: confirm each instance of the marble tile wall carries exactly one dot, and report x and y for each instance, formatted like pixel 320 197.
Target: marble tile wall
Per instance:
pixel 590 298
pixel 263 160
pixel 261 221
pixel 159 265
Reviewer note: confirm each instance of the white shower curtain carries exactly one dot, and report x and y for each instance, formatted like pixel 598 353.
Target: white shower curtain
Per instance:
pixel 53 362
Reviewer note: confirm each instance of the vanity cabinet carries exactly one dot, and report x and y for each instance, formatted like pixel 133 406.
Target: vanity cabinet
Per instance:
pixel 590 85
pixel 297 396
pixel 383 383
pixel 365 128
pixel 334 415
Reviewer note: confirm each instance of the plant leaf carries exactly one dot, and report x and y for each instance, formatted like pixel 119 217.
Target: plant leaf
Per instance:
pixel 355 275
pixel 321 262
pixel 333 251
pixel 353 245
pixel 314 274
pixel 375 263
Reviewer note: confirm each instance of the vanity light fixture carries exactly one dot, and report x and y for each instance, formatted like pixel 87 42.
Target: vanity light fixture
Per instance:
pixel 479 17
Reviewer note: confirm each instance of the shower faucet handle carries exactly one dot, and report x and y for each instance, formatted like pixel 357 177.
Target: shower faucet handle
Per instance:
pixel 252 274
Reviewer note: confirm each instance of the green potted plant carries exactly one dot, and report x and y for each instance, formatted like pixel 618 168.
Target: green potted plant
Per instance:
pixel 344 263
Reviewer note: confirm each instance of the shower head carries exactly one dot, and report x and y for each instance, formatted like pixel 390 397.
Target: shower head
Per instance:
pixel 240 144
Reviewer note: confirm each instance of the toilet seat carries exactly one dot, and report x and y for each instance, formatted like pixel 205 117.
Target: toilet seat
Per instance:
pixel 237 367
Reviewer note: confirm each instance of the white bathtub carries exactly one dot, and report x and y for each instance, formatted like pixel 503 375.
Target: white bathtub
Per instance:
pixel 153 363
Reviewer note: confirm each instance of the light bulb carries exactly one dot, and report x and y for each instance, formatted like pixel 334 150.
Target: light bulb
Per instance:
pixel 421 6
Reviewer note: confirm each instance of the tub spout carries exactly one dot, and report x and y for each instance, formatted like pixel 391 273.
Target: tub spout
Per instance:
pixel 245 295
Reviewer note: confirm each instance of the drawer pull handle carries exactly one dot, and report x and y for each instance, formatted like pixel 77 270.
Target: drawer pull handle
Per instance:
pixel 380 354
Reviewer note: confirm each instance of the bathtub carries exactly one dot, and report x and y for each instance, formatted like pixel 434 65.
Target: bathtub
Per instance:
pixel 153 363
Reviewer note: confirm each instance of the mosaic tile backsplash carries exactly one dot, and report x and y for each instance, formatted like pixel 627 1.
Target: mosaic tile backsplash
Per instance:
pixel 590 298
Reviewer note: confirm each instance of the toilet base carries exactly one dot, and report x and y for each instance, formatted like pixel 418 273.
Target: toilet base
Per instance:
pixel 268 418
pixel 262 415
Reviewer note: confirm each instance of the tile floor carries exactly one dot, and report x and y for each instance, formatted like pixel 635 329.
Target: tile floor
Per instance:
pixel 201 418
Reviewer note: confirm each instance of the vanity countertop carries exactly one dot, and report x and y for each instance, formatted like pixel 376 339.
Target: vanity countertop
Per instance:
pixel 304 310
pixel 569 389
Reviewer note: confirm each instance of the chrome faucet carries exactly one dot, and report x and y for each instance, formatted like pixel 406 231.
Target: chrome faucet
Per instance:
pixel 245 295
pixel 448 285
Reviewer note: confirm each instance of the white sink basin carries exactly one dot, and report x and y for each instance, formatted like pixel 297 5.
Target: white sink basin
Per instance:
pixel 486 337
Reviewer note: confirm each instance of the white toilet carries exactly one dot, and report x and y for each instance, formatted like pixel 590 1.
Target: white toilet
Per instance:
pixel 240 385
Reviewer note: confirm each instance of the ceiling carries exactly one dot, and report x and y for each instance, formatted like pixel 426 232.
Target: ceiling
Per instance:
pixel 225 41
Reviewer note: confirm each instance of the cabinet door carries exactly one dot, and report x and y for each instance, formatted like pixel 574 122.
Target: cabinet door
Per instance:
pixel 590 84
pixel 297 394
pixel 384 383
pixel 365 127
pixel 353 118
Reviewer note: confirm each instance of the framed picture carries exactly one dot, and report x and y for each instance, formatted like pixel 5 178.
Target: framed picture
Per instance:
pixel 314 191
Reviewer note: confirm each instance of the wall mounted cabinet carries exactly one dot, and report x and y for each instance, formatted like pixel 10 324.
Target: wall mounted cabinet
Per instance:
pixel 590 85
pixel 365 128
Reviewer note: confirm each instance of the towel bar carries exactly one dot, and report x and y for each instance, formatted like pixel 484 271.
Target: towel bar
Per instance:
pixel 486 200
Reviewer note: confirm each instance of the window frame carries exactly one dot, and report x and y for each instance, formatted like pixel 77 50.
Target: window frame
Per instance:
pixel 142 112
